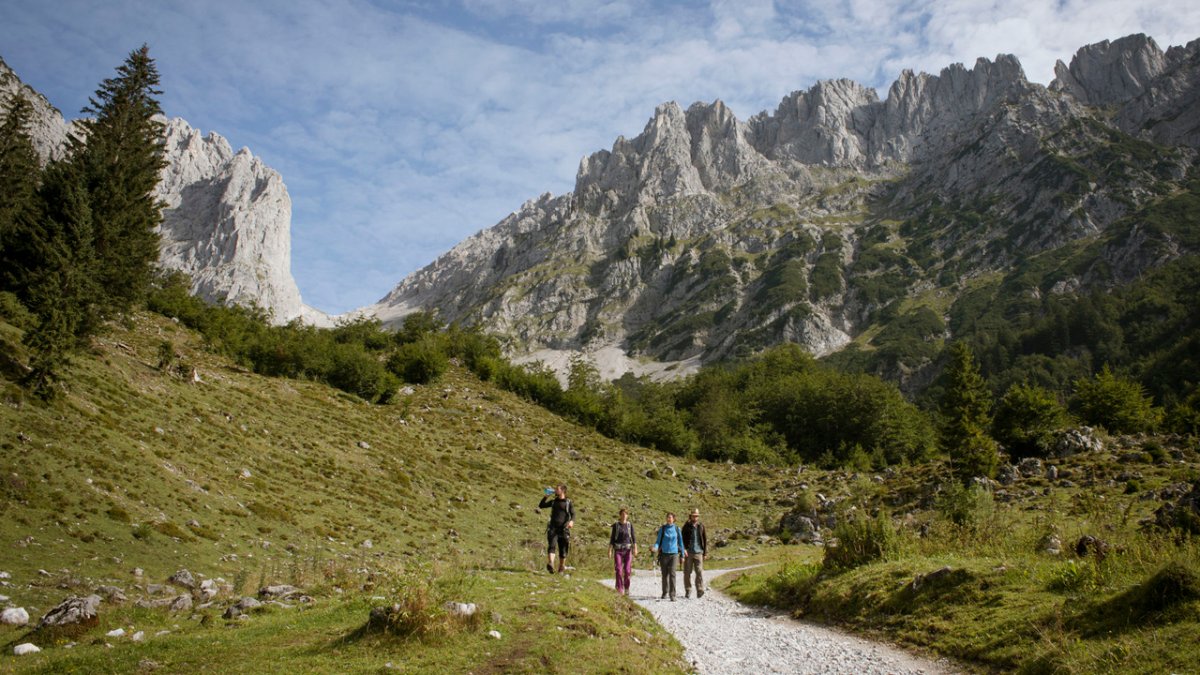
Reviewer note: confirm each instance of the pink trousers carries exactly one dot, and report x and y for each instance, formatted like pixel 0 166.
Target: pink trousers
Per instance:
pixel 623 566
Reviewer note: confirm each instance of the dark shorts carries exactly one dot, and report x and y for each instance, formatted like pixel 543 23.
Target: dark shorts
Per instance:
pixel 560 537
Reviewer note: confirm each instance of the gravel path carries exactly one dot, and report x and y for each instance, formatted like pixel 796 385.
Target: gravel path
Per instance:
pixel 721 635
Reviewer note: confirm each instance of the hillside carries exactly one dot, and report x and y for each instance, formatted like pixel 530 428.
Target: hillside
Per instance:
pixel 252 481
pixel 255 480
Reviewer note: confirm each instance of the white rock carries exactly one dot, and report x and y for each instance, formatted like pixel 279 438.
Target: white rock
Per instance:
pixel 116 633
pixel 14 616
pixel 138 636
pixel 494 634
pixel 25 648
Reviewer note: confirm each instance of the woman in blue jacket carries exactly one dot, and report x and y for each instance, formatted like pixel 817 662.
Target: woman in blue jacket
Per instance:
pixel 668 543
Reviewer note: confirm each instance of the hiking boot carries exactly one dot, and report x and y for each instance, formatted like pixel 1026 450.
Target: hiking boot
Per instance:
pixel 688 593
pixel 699 593
pixel 550 568
pixel 672 598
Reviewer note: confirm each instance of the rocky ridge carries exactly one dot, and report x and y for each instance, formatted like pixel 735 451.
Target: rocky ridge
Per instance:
pixel 227 220
pixel 706 236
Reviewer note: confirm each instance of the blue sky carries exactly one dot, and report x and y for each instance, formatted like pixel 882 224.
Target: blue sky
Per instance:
pixel 401 128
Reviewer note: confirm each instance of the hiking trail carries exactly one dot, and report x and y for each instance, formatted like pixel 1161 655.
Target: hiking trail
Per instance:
pixel 721 636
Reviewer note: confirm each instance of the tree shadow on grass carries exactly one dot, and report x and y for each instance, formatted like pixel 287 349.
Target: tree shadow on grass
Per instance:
pixel 1170 595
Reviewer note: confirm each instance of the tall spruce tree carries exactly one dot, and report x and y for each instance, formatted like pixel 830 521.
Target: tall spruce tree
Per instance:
pixel 118 164
pixel 19 177
pixel 965 417
pixel 61 290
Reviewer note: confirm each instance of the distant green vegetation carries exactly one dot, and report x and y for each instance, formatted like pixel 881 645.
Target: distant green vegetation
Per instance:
pixel 358 357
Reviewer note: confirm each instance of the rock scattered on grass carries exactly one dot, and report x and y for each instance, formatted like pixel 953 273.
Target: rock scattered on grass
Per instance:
pixel 26 648
pixel 73 610
pixel 14 616
pixel 183 578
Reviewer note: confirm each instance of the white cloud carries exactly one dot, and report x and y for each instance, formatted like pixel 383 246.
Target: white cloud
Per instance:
pixel 401 129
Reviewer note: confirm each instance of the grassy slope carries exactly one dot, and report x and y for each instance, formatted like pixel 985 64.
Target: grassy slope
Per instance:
pixel 258 480
pixel 1004 604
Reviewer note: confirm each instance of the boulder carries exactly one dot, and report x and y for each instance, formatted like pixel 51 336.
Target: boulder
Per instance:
pixel 183 578
pixel 1051 545
pixel 1076 441
pixel 1088 544
pixel 111 593
pixel 460 609
pixel 182 603
pixel 14 616
pixel 1031 467
pixel 72 611
pixel 278 592
pixel 1007 475
pixel 241 607
pixel 208 590
pixel 25 648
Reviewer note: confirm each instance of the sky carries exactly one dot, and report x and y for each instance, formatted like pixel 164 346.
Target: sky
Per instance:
pixel 403 127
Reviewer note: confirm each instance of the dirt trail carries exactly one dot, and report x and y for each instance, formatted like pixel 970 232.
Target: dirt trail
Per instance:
pixel 722 636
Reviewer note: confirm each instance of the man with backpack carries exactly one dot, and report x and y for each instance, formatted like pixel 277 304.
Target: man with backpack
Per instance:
pixel 558 530
pixel 695 546
pixel 668 543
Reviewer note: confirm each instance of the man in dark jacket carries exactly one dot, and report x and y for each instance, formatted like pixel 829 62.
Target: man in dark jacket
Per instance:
pixel 695 543
pixel 558 530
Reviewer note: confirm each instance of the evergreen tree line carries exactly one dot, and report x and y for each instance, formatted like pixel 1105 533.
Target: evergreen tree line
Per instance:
pixel 78 237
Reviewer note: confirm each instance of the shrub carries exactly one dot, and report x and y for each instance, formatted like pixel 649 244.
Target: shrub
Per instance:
pixel 420 362
pixel 1026 420
pixel 1118 404
pixel 862 540
pixel 965 506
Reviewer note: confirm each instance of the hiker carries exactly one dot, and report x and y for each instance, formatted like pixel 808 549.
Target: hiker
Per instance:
pixel 668 543
pixel 695 546
pixel 558 530
pixel 622 548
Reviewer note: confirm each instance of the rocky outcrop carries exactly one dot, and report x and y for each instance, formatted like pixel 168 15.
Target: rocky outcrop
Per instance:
pixel 1155 94
pixel 227 221
pixel 47 129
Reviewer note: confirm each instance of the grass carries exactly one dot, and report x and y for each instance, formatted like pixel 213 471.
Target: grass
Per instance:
pixel 256 481
pixel 988 595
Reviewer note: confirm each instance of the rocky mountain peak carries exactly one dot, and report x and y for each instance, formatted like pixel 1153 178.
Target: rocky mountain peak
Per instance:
pixel 1109 73
pixel 706 236
pixel 227 222
pixel 48 129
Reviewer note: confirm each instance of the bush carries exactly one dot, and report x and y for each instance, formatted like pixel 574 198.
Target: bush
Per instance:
pixel 420 362
pixel 1026 420
pixel 965 506
pixel 861 541
pixel 1118 404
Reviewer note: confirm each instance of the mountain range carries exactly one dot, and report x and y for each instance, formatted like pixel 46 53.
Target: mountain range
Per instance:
pixel 823 223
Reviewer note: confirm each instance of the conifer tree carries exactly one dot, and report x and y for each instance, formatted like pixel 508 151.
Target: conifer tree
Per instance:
pixel 19 176
pixel 61 288
pixel 965 412
pixel 118 163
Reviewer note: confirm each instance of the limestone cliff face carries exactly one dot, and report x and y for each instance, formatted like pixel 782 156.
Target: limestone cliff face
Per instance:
pixel 48 129
pixel 227 221
pixel 706 237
